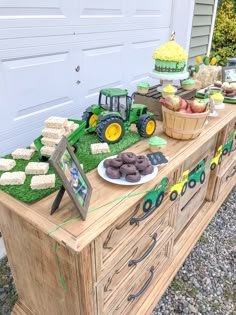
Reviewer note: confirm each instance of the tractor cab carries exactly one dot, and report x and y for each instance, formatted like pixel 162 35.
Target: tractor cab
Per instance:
pixel 115 100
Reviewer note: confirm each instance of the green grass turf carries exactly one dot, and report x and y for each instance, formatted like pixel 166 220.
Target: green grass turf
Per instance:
pixel 26 194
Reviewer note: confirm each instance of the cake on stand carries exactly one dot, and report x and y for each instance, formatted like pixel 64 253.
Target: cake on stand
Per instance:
pixel 170 63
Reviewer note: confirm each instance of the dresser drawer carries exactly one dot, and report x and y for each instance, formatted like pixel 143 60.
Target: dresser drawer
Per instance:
pixel 131 264
pixel 137 288
pixel 226 176
pixel 126 230
pixel 193 193
pixel 228 149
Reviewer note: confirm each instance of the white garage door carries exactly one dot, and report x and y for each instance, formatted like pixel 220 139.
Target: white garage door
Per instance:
pixel 56 55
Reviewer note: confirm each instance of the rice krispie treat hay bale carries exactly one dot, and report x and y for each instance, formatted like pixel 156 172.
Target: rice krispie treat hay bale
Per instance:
pixel 22 154
pixel 12 178
pixel 69 125
pixel 74 127
pixel 49 142
pixel 37 168
pixel 47 150
pixel 55 122
pixel 97 148
pixel 33 147
pixel 53 133
pixel 7 164
pixel 43 181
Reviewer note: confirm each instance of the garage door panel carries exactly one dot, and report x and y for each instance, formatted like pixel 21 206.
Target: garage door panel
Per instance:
pixel 142 50
pixel 152 11
pixel 37 13
pixel 37 83
pixel 102 68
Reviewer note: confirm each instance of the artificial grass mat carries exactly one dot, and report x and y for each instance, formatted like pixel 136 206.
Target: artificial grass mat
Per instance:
pixel 26 194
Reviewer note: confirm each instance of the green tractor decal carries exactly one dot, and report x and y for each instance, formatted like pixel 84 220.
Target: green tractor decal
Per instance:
pixel 180 187
pixel 197 175
pixel 216 159
pixel 155 197
pixel 114 114
pixel 228 146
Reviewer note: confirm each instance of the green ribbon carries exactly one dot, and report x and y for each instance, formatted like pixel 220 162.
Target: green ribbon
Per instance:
pixel 59 267
pixel 95 209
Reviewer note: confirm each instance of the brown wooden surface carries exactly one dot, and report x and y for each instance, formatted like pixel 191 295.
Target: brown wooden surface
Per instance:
pixel 98 221
pixel 92 252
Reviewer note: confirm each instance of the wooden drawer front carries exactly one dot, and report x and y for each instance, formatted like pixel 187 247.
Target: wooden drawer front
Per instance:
pixel 137 288
pixel 231 127
pixel 130 265
pixel 226 176
pixel 124 232
pixel 229 148
pixel 196 187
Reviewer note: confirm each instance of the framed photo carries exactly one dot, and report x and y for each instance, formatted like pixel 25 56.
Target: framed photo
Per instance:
pixel 72 176
pixel 229 74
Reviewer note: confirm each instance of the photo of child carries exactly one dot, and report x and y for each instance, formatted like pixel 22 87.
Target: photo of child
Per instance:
pixel 74 176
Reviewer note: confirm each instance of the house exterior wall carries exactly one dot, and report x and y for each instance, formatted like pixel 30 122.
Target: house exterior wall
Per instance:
pixel 201 28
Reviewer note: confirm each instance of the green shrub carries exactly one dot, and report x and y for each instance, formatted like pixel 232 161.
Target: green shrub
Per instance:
pixel 224 39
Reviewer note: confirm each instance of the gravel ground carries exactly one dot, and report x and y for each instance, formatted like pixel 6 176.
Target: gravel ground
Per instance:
pixel 206 284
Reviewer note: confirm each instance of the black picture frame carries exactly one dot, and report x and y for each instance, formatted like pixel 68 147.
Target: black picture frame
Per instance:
pixel 72 177
pixel 229 74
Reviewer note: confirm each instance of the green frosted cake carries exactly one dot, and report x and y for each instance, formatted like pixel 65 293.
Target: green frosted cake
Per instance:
pixel 170 58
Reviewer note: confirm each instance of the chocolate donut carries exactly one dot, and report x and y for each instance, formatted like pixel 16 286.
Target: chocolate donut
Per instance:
pixel 113 172
pixel 141 163
pixel 148 170
pixel 128 157
pixel 116 162
pixel 128 169
pixel 106 163
pixel 133 178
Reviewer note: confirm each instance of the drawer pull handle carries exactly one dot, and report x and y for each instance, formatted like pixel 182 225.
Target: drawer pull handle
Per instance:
pixel 134 262
pixel 232 174
pixel 146 284
pixel 146 215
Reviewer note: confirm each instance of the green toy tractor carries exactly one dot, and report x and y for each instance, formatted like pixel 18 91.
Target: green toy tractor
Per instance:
pixel 114 114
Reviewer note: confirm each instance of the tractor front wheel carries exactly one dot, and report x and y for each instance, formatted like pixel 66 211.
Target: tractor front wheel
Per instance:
pixel 146 126
pixel 159 199
pixel 90 118
pixel 192 183
pixel 110 130
pixel 173 195
pixel 184 189
pixel 202 177
pixel 147 205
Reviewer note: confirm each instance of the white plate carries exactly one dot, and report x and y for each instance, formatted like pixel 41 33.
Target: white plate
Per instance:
pixel 144 178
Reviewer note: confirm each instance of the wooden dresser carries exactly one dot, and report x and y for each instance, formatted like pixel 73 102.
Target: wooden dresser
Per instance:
pixel 121 259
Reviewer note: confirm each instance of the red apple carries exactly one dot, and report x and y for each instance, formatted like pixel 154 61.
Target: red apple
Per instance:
pixel 183 111
pixel 197 106
pixel 183 103
pixel 188 110
pixel 171 102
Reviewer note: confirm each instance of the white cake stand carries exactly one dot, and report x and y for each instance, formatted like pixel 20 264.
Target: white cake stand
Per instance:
pixel 168 78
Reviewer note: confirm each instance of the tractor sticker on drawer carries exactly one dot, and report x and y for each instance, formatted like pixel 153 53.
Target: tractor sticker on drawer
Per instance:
pixel 189 179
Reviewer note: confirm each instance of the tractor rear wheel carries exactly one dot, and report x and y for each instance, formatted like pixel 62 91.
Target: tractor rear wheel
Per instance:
pixel 146 126
pixel 192 183
pixel 90 118
pixel 110 130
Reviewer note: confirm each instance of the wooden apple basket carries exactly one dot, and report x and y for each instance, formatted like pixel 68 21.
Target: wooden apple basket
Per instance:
pixel 183 126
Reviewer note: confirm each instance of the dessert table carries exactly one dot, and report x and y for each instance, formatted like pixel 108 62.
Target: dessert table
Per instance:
pixel 121 259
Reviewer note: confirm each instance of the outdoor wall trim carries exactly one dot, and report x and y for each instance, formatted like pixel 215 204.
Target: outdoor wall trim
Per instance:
pixel 212 26
pixel 182 26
